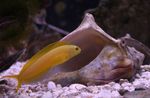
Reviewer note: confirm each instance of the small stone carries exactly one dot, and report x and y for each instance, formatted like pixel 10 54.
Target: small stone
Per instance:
pixel 128 86
pixel 59 86
pixel 23 96
pixel 71 92
pixel 106 87
pixel 115 94
pixel 93 89
pixel 137 83
pixel 86 95
pixel 116 86
pixel 105 94
pixel 65 88
pixel 56 92
pixel 123 80
pixel 145 67
pixel 138 75
pixel 51 85
pixel 47 95
pixel 34 94
pixel 77 86
pixel 146 75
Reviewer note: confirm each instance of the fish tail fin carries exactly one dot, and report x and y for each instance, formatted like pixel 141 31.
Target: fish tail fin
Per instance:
pixel 15 77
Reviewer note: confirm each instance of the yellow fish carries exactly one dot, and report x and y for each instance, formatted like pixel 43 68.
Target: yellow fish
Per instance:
pixel 47 58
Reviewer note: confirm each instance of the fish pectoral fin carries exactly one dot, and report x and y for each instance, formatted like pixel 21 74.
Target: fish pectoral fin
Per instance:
pixel 18 86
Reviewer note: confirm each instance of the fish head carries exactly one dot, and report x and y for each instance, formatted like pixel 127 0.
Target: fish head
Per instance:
pixel 74 50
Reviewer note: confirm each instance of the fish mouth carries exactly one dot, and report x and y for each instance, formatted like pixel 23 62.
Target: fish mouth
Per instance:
pixel 6 21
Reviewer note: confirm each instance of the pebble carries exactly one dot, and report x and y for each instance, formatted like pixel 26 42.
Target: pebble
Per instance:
pixel 115 94
pixel 47 95
pixel 105 93
pixel 93 89
pixel 56 92
pixel 146 75
pixel 77 86
pixel 116 86
pixel 146 67
pixel 36 94
pixel 86 95
pixel 23 96
pixel 128 86
pixel 51 85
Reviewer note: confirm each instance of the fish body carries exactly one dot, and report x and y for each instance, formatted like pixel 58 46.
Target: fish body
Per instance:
pixel 49 60
pixel 39 65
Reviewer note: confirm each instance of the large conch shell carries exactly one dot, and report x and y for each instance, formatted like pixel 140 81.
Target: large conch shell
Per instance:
pixel 91 39
pixel 103 59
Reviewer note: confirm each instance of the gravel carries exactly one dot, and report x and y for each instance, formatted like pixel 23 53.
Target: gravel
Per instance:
pixel 52 90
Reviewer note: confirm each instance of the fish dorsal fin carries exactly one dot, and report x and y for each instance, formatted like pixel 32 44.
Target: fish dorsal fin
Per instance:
pixel 42 52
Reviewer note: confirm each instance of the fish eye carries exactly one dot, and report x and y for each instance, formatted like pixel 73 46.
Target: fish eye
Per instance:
pixel 76 48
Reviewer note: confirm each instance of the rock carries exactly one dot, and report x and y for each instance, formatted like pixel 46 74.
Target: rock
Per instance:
pixel 56 92
pixel 146 75
pixel 86 95
pixel 47 95
pixel 51 85
pixel 76 86
pixel 146 67
pixel 115 86
pixel 93 89
pixel 35 94
pixel 24 96
pixel 105 93
pixel 137 83
pixel 119 17
pixel 115 94
pixel 128 86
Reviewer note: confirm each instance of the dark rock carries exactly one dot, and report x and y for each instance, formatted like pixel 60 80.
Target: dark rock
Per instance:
pixel 118 17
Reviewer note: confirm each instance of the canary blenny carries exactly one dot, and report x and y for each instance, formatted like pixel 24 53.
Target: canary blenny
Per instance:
pixel 49 57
